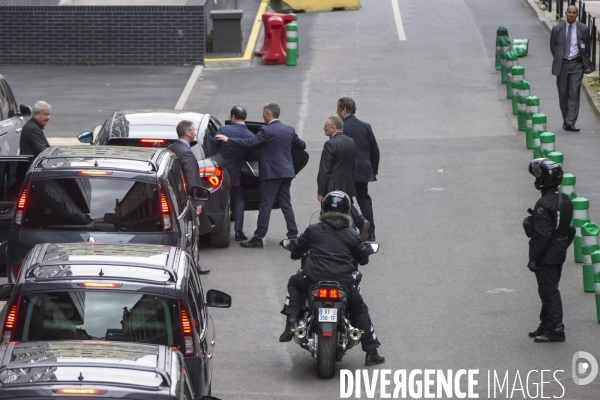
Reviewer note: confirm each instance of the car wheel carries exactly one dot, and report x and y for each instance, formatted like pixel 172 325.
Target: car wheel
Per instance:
pixel 223 237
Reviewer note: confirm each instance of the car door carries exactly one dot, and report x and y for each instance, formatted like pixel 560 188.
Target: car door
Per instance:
pixel 179 198
pixel 13 170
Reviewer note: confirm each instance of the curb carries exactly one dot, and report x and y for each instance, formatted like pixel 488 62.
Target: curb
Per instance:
pixel 591 95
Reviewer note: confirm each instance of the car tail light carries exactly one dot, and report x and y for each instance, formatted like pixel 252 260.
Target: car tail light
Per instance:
pixel 186 330
pixel 93 172
pixel 79 390
pixel 328 293
pixel 10 321
pixel 212 174
pixel 165 211
pixel 152 142
pixel 21 206
pixel 15 270
pixel 100 285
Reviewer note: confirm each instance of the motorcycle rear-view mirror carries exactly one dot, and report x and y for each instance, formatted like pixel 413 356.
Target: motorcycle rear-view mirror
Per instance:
pixel 373 247
pixel 200 193
pixel 216 298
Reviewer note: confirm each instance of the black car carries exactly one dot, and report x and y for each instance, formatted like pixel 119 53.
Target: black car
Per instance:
pixel 99 193
pixel 115 292
pixel 93 369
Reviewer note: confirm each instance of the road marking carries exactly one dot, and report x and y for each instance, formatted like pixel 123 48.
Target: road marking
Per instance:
pixel 398 18
pixel 187 90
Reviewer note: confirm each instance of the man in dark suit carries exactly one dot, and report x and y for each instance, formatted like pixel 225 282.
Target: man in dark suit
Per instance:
pixel 33 141
pixel 276 171
pixel 568 41
pixel 367 162
pixel 186 132
pixel 234 157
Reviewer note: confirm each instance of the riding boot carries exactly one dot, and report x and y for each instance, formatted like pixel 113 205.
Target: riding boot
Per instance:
pixel 290 327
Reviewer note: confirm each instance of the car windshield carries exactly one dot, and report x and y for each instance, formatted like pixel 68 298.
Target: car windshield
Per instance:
pixel 93 204
pixel 98 315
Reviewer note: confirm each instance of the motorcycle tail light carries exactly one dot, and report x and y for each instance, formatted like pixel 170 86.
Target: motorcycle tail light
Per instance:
pixel 328 293
pixel 322 293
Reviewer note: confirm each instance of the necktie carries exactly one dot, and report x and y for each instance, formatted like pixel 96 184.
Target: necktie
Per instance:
pixel 568 44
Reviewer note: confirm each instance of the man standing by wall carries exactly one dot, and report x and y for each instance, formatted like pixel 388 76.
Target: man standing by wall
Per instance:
pixel 567 43
pixel 276 170
pixel 33 141
pixel 367 162
pixel 234 157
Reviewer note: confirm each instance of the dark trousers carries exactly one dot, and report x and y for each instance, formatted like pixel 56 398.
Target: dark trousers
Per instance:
pixel 298 285
pixel 271 190
pixel 568 83
pixel 236 199
pixel 551 316
pixel 364 202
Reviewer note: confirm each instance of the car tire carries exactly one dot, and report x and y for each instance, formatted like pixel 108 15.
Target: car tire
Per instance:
pixel 223 237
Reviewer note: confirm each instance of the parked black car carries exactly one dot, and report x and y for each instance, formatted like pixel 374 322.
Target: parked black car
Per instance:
pixel 99 193
pixel 115 292
pixel 93 369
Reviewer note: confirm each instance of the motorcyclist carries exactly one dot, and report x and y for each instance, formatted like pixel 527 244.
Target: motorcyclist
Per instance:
pixel 335 250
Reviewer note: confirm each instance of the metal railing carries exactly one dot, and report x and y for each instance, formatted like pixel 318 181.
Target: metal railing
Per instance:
pixel 590 48
pixel 548 4
pixel 582 13
pixel 560 13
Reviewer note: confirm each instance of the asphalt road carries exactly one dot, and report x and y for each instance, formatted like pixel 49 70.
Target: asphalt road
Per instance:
pixel 449 288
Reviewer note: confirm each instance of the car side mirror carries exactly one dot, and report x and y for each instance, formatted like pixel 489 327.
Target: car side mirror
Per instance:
pixel 5 291
pixel 86 137
pixel 216 298
pixel 25 110
pixel 200 193
pixel 373 247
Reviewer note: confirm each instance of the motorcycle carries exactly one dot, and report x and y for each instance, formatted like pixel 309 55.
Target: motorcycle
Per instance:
pixel 324 327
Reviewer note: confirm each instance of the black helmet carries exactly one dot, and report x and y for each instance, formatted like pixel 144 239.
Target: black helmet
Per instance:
pixel 547 173
pixel 336 201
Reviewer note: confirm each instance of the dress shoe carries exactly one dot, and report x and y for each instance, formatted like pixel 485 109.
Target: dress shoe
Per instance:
pixel 374 358
pixel 371 237
pixel 537 332
pixel 239 236
pixel 571 128
pixel 290 327
pixel 254 242
pixel 363 228
pixel 546 338
pixel 203 271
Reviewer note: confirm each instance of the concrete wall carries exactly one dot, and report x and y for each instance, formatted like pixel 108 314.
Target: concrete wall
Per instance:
pixel 104 35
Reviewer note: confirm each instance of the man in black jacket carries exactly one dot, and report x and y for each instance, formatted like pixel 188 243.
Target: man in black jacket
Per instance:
pixel 33 141
pixel 550 231
pixel 335 249
pixel 367 161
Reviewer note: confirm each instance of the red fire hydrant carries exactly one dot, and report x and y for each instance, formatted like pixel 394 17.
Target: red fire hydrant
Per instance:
pixel 268 36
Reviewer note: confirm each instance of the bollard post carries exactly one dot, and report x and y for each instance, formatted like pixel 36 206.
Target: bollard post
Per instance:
pixel 532 106
pixel 538 126
pixel 291 51
pixel 568 185
pixel 596 270
pixel 521 91
pixel 557 157
pixel 589 245
pixel 521 46
pixel 581 216
pixel 510 60
pixel 516 74
pixel 295 20
pixel 546 143
pixel 500 33
pixel 536 144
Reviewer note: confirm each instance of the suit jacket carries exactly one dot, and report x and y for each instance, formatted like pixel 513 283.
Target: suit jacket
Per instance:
pixel 336 170
pixel 558 39
pixel 367 151
pixel 276 141
pixel 189 164
pixel 234 156
pixel 32 141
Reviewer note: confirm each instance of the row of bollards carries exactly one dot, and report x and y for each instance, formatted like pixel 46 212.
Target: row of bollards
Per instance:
pixel 586 246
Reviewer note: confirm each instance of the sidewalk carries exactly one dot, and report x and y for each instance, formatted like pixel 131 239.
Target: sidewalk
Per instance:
pixel 548 19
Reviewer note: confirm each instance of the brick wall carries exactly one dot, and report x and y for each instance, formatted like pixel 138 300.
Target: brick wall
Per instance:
pixel 105 35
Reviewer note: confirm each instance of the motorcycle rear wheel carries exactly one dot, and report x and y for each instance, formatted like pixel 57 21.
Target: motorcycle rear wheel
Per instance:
pixel 326 354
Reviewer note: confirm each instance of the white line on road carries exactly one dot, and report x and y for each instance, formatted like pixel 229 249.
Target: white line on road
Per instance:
pixel 398 18
pixel 188 87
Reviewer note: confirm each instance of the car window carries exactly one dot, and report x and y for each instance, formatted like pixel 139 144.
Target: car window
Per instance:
pixel 98 315
pixel 211 131
pixel 12 175
pixel 93 204
pixel 3 103
pixel 12 103
pixel 177 180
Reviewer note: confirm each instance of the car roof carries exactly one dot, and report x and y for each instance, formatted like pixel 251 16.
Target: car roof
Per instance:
pixel 111 157
pixel 154 256
pixel 132 124
pixel 159 117
pixel 85 361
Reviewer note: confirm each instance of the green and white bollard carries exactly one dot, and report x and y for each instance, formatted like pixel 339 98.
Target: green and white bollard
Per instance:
pixel 581 216
pixel 298 43
pixel 557 157
pixel 596 270
pixel 546 143
pixel 538 126
pixel 511 59
pixel 500 33
pixel 521 91
pixel 291 51
pixel 532 106
pixel 521 46
pixel 589 245
pixel 568 185
pixel 516 74
pixel 536 144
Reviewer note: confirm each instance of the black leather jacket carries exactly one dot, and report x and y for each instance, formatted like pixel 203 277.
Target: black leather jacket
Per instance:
pixel 335 249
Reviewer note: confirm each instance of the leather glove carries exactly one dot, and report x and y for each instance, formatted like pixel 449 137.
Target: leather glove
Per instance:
pixel 532 267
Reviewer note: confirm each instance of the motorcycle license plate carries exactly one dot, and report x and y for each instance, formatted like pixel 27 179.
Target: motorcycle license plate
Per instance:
pixel 327 314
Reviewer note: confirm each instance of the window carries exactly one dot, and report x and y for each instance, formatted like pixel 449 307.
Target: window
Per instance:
pixel 12 175
pixel 12 103
pixel 93 204
pixel 102 136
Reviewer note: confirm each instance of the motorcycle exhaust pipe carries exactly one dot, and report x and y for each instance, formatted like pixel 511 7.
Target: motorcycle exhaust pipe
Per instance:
pixel 300 334
pixel 354 336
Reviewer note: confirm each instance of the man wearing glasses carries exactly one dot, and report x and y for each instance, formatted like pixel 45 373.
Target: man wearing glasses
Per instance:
pixel 33 141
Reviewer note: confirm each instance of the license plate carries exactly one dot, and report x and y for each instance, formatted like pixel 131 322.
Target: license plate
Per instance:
pixel 327 314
